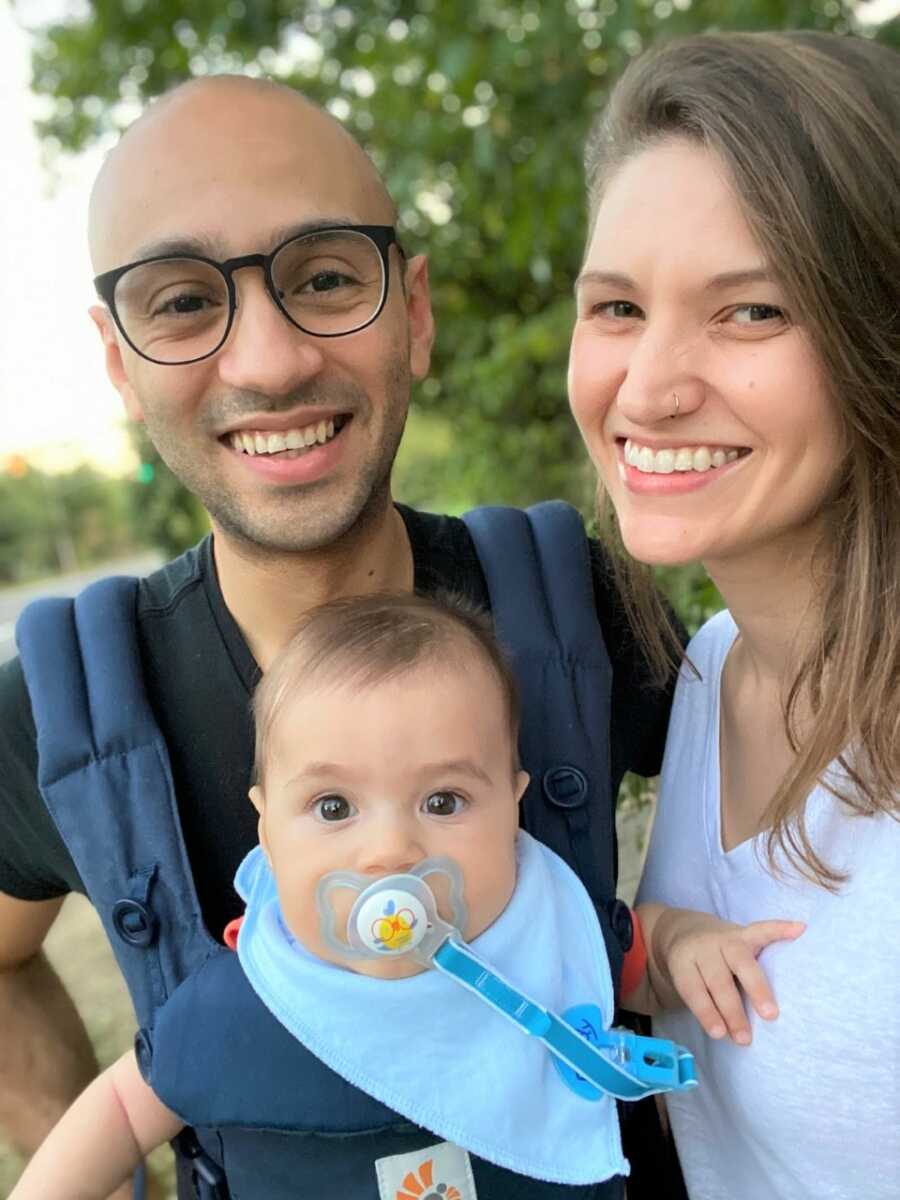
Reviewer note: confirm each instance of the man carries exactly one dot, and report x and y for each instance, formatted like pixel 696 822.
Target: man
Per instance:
pixel 276 388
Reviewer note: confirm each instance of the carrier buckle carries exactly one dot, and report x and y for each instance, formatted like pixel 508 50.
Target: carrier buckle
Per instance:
pixel 207 1177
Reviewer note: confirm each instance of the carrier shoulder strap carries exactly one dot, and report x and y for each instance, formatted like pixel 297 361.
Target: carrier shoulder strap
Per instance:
pixel 103 770
pixel 538 572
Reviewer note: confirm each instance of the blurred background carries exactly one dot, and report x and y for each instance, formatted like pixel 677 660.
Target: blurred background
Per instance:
pixel 474 110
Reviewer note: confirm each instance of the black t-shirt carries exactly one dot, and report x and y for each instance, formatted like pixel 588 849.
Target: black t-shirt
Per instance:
pixel 200 675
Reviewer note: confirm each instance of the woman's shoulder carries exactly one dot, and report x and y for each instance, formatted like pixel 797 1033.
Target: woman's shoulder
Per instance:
pixel 697 690
pixel 709 646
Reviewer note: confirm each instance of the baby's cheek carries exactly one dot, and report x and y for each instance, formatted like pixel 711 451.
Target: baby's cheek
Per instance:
pixel 488 902
pixel 341 901
pixel 303 918
pixel 440 889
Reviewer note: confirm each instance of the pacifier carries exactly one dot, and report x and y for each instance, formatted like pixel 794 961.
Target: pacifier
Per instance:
pixel 395 915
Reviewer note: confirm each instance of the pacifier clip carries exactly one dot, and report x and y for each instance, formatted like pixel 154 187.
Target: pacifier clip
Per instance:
pixel 398 915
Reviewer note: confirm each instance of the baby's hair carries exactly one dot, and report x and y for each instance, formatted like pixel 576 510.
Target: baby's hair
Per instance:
pixel 368 640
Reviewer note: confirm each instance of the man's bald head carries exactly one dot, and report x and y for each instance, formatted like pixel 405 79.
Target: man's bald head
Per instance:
pixel 230 131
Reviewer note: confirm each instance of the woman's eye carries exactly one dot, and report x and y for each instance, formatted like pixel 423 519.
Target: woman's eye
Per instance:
pixel 755 314
pixel 617 310
pixel 444 804
pixel 333 808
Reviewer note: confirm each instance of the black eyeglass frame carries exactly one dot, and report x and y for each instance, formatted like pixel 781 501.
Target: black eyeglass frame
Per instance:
pixel 382 237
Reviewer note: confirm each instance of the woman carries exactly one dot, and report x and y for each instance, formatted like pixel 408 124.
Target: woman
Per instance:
pixel 735 370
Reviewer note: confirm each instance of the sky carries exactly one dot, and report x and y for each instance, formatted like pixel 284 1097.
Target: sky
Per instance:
pixel 56 404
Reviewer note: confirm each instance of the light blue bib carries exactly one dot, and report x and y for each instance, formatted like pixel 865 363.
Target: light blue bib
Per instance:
pixel 437 1054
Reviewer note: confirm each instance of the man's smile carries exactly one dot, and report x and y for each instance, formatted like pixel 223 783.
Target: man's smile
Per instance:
pixel 289 443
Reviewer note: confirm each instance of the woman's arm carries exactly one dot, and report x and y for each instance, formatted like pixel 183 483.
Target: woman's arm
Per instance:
pixel 696 960
pixel 100 1140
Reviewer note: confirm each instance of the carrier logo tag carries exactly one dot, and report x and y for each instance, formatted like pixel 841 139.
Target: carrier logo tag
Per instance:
pixel 441 1172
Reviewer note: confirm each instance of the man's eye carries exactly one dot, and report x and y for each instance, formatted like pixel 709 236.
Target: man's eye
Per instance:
pixel 755 314
pixel 333 808
pixel 326 281
pixel 444 804
pixel 183 305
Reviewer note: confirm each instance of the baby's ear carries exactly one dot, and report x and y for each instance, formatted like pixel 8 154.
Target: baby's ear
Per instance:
pixel 522 781
pixel 258 800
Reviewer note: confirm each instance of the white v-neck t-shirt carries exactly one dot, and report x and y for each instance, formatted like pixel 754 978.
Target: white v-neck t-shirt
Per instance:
pixel 811 1110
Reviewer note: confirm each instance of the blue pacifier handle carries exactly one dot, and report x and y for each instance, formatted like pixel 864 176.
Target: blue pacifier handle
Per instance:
pixel 618 1062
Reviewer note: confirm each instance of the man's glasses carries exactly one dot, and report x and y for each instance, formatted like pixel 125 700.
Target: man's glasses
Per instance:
pixel 180 309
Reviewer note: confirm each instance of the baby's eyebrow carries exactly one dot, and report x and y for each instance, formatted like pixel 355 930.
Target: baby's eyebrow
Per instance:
pixel 335 772
pixel 457 766
pixel 318 769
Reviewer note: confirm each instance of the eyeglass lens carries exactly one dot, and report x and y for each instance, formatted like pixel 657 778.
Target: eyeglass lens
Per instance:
pixel 177 309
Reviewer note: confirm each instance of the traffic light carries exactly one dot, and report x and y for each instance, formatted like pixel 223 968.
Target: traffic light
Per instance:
pixel 145 472
pixel 16 466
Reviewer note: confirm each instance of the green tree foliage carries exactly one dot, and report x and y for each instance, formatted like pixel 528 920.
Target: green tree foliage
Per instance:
pixel 51 523
pixel 476 114
pixel 163 513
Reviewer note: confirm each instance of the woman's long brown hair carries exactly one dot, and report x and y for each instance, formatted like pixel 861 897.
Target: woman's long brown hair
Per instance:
pixel 808 127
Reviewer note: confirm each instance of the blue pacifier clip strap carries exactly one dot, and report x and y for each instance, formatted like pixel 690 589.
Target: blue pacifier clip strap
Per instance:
pixel 618 1062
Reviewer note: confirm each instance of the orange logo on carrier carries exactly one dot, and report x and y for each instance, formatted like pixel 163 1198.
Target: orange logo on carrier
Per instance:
pixel 414 1185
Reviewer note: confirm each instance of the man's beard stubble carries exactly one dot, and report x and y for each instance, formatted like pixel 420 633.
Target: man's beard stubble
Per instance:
pixel 307 517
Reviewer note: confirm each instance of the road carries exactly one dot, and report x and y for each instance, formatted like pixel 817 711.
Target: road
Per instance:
pixel 13 600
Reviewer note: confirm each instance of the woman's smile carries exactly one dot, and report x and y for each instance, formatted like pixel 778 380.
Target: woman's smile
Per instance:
pixel 674 469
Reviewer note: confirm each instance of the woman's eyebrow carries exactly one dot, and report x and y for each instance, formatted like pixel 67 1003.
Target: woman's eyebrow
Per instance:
pixel 720 282
pixel 611 278
pixel 729 279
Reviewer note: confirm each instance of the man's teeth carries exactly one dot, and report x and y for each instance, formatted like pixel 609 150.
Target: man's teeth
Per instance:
pixel 288 439
pixel 664 462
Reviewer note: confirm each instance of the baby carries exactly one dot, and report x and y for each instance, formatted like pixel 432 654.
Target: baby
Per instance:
pixel 386 745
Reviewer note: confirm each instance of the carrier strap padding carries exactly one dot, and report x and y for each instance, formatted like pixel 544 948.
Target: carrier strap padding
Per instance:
pixel 538 571
pixel 105 776
pixel 86 705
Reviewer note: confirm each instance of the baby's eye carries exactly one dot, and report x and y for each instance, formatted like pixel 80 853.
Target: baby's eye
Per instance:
pixel 444 804
pixel 333 808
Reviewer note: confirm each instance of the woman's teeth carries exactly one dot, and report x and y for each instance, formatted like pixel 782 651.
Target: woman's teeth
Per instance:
pixel 689 458
pixel 260 442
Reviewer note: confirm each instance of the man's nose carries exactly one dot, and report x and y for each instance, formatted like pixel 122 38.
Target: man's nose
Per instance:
pixel 264 352
pixel 392 847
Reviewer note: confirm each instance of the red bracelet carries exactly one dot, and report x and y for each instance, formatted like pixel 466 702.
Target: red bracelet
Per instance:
pixel 634 964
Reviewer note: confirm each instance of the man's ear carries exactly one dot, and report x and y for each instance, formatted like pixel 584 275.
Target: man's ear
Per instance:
pixel 421 320
pixel 115 368
pixel 522 781
pixel 258 800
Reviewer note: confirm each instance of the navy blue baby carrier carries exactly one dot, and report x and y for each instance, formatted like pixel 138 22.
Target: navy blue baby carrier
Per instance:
pixel 208 1046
